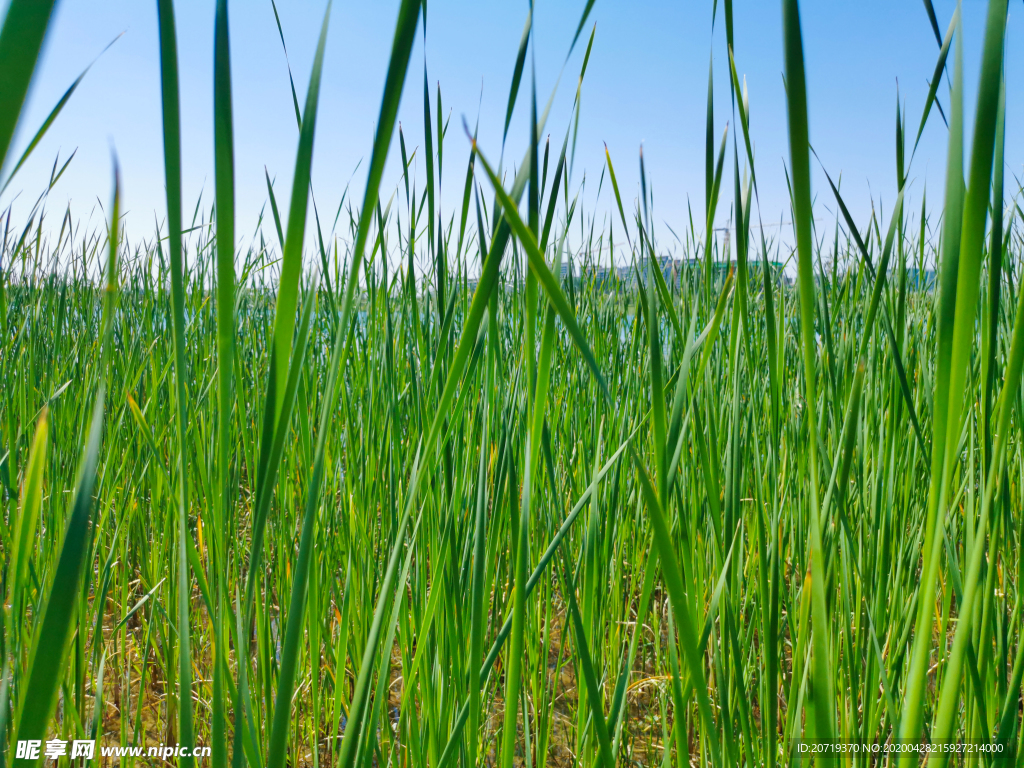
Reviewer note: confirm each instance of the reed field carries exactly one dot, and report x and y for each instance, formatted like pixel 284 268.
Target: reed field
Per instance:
pixel 576 493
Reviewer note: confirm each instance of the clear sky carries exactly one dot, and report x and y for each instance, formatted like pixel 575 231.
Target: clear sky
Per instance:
pixel 646 84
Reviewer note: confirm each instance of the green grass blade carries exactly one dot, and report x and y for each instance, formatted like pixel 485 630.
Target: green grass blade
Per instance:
pixel 615 189
pixel 968 283
pixel 428 157
pixel 517 73
pixel 291 257
pixel 996 257
pixel 300 575
pixel 593 690
pixel 796 98
pixel 547 280
pixel 50 118
pixel 172 172
pixel 912 714
pixel 659 430
pixel 709 139
pixel 21 39
pixel 28 516
pixel 224 160
pixel 273 208
pixel 401 48
pixel 677 593
pixel 579 27
pixel 940 66
pixel 291 80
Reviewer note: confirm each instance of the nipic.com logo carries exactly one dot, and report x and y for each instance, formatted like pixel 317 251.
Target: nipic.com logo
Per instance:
pixel 54 749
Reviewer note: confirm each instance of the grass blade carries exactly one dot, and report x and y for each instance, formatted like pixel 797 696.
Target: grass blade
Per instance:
pixel 172 172
pixel 224 159
pixel 796 98
pixel 21 39
pixel 291 257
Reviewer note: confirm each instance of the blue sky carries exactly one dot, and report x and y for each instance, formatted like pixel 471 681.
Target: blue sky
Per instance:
pixel 646 84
